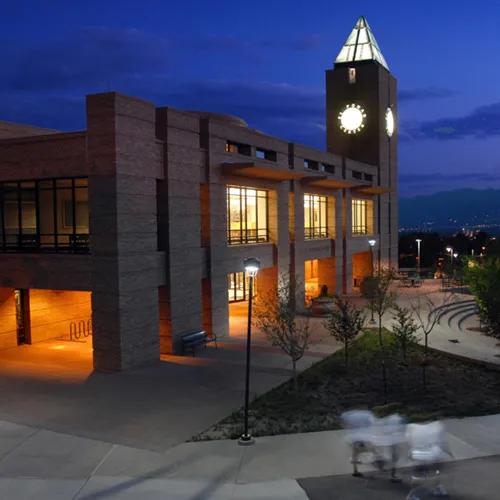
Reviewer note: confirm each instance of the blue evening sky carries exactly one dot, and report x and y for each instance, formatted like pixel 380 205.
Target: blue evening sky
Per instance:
pixel 265 61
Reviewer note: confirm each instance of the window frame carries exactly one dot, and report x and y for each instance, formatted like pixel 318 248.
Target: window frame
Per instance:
pixel 358 228
pixel 245 236
pixel 320 231
pixel 29 238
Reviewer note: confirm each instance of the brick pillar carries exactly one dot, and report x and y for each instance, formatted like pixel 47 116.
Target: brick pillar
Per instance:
pixel 179 210
pixel 298 263
pixel 339 246
pixel 121 156
pixel 347 234
pixel 215 303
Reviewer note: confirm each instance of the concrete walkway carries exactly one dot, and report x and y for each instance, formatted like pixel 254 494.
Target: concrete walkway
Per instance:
pixel 43 465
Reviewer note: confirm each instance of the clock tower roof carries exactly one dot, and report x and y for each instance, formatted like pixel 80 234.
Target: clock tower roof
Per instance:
pixel 361 46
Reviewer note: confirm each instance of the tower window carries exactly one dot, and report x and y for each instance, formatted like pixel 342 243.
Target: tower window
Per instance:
pixel 357 175
pixel 352 75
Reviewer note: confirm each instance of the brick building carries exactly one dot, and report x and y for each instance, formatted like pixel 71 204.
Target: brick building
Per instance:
pixel 138 226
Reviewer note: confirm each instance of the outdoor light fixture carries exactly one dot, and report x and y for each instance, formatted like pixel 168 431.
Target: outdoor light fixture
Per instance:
pixel 418 256
pixel 252 266
pixel 449 249
pixel 455 255
pixel 371 242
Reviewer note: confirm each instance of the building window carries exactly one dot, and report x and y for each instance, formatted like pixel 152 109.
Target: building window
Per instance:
pixel 352 75
pixel 235 147
pixel 359 217
pixel 44 216
pixel 247 215
pixel 238 287
pixel 357 175
pixel 311 165
pixel 266 154
pixel 315 216
pixel 330 169
pixel 369 177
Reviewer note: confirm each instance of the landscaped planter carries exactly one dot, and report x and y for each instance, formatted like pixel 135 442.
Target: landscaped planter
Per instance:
pixel 321 306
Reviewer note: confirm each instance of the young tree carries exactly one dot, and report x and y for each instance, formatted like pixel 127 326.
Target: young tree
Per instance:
pixel 428 307
pixel 344 323
pixel 484 281
pixel 376 289
pixel 404 329
pixel 275 315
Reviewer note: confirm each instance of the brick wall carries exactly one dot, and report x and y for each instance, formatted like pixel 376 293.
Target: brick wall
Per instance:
pixel 8 329
pixel 11 130
pixel 52 311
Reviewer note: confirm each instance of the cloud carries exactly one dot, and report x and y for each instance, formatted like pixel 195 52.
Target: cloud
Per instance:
pixel 227 43
pixel 86 58
pixel 481 123
pixel 425 94
pixel 411 184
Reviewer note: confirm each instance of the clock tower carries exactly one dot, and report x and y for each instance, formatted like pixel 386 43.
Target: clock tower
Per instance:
pixel 361 124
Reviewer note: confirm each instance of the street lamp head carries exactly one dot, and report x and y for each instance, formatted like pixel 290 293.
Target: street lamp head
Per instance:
pixel 371 242
pixel 418 240
pixel 455 255
pixel 252 266
pixel 449 249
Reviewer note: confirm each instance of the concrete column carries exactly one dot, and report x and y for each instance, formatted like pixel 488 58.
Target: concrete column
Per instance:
pixel 121 156
pixel 179 210
pixel 339 246
pixel 8 324
pixel 298 254
pixel 347 235
pixel 215 290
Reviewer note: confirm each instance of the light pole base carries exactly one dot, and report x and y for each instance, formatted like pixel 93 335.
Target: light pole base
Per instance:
pixel 246 440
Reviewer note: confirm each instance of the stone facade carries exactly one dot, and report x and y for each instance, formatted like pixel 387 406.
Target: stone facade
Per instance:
pixel 159 256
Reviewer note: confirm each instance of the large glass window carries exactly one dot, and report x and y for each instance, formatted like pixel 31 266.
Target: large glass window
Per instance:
pixel 47 215
pixel 315 216
pixel 239 287
pixel 247 215
pixel 359 217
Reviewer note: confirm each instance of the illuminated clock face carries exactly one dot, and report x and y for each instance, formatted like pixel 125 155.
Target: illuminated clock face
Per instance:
pixel 352 118
pixel 389 122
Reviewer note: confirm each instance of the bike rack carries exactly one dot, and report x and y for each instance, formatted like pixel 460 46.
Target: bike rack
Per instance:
pixel 84 328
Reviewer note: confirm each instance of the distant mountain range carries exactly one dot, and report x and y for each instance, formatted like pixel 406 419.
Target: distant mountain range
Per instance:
pixel 451 209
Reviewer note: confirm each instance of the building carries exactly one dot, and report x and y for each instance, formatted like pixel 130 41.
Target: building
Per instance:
pixel 137 227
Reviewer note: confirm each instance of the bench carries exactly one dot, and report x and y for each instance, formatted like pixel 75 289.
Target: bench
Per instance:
pixel 191 340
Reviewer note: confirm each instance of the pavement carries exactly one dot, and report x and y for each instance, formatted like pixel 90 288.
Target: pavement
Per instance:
pixel 44 465
pixel 67 433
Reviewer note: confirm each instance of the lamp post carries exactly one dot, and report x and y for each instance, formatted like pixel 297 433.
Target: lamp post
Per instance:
pixel 450 251
pixel 371 242
pixel 418 256
pixel 252 267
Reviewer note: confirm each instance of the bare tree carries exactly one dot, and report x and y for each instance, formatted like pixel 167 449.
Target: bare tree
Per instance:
pixel 376 288
pixel 275 315
pixel 344 323
pixel 428 308
pixel 381 299
pixel 404 329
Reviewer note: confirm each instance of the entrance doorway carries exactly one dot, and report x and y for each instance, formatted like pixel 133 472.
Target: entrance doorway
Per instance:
pixel 22 324
pixel 238 287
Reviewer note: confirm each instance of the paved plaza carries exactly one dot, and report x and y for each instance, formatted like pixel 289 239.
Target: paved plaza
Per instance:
pixel 44 465
pixel 68 433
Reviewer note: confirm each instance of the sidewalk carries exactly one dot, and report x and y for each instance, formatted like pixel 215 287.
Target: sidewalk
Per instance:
pixel 43 465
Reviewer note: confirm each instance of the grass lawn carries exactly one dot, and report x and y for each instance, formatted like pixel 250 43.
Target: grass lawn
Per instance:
pixel 454 389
